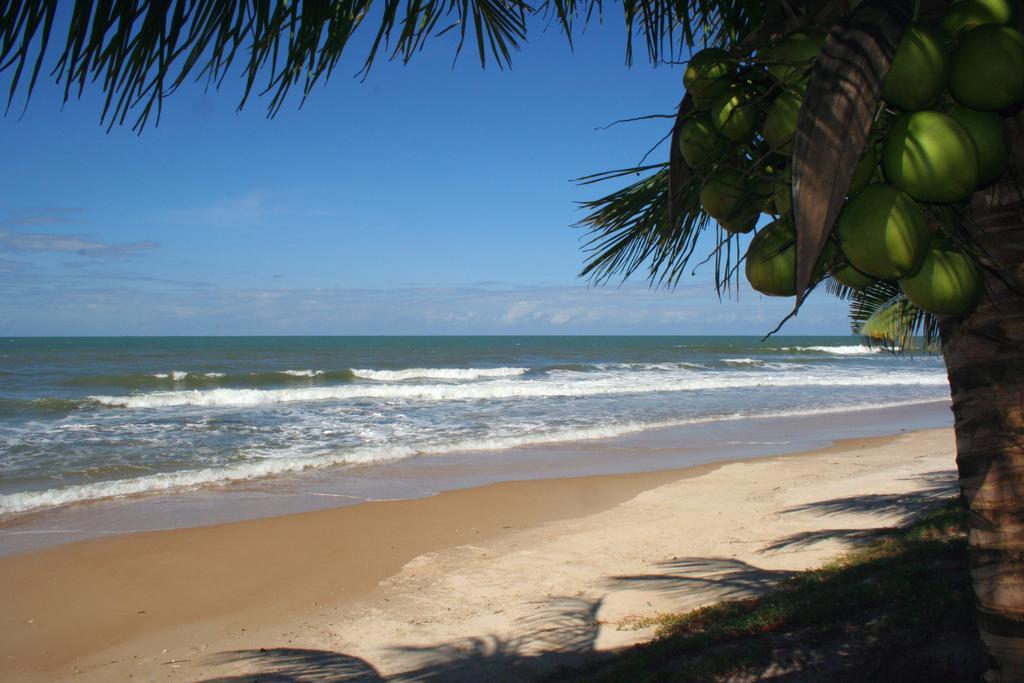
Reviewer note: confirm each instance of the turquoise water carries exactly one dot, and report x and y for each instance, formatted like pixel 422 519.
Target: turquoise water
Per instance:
pixel 93 418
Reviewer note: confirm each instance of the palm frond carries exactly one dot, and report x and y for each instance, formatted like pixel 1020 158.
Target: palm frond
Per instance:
pixel 842 100
pixel 837 289
pixel 139 51
pixel 632 226
pixel 883 316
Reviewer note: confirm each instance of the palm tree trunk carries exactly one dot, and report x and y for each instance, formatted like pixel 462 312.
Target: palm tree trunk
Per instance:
pixel 984 354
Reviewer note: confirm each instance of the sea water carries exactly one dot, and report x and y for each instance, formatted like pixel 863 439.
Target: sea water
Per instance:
pixel 83 419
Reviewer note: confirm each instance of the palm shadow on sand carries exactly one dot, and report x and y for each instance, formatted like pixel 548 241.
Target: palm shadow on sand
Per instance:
pixel 898 508
pixel 560 634
pixel 558 640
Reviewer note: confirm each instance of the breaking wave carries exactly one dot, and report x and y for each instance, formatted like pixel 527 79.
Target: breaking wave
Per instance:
pixel 523 388
pixel 263 467
pixel 438 373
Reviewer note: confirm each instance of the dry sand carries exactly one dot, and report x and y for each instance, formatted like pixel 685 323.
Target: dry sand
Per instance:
pixel 489 583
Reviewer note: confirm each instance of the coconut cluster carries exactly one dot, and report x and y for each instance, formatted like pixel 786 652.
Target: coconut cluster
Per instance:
pixel 941 135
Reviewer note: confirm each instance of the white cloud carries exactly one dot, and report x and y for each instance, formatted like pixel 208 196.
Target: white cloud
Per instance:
pixel 49 307
pixel 518 311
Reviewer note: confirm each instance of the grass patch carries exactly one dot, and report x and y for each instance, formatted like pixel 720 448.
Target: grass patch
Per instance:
pixel 898 609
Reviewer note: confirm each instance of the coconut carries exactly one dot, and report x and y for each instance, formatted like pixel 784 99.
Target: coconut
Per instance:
pixel 883 232
pixel 988 68
pixel 991 136
pixel 734 116
pixel 771 260
pixel 761 189
pixel 708 75
pixel 866 168
pixel 743 222
pixel 948 283
pixel 780 122
pixel 931 157
pixel 783 194
pixel 918 73
pixel 851 277
pixel 964 15
pixel 724 194
pixel 699 142
pixel 789 60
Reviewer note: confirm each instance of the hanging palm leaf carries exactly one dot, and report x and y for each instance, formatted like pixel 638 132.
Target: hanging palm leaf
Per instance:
pixel 632 226
pixel 838 111
pixel 884 317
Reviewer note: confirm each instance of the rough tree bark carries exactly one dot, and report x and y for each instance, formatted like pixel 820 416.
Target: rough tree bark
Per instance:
pixel 984 354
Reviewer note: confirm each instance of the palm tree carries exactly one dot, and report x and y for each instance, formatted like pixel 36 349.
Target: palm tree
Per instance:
pixel 138 51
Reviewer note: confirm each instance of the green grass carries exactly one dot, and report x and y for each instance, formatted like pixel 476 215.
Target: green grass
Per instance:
pixel 898 609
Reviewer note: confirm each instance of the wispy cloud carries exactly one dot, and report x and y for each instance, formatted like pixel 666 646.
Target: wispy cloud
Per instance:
pixel 83 245
pixel 14 237
pixel 49 308
pixel 48 215
pixel 85 270
pixel 249 208
pixel 12 266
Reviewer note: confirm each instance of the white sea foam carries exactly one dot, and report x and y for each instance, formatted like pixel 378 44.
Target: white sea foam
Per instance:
pixel 213 374
pixel 438 373
pixel 849 350
pixel 169 481
pixel 265 465
pixel 611 384
pixel 176 375
pixel 765 365
pixel 303 373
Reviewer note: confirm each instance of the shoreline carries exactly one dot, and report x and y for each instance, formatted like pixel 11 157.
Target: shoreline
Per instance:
pixel 163 603
pixel 653 449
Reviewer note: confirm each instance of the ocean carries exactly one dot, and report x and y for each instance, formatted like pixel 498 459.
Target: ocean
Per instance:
pixel 87 419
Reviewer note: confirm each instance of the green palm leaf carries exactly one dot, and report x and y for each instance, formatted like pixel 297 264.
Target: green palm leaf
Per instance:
pixel 633 226
pixel 884 317
pixel 139 51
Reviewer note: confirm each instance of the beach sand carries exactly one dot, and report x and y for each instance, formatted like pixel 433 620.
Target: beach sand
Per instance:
pixel 495 582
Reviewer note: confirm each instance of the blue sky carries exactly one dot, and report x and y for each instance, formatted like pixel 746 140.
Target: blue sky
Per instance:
pixel 425 200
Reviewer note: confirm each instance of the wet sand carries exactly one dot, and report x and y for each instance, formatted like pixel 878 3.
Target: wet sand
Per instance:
pixel 475 582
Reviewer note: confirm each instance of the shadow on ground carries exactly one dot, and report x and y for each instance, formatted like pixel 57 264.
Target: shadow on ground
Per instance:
pixel 899 508
pixel 559 635
pixel 713 578
pixel 869 625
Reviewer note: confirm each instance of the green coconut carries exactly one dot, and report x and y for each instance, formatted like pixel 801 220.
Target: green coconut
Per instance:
pixel 918 73
pixel 761 187
pixel 964 15
pixel 865 171
pixel 948 283
pixel 783 193
pixel 780 121
pixel 771 260
pixel 712 92
pixel 991 136
pixel 744 221
pixel 789 60
pixel 734 115
pixel 931 157
pixel 851 277
pixel 724 194
pixel 699 142
pixel 883 232
pixel 708 75
pixel 988 68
